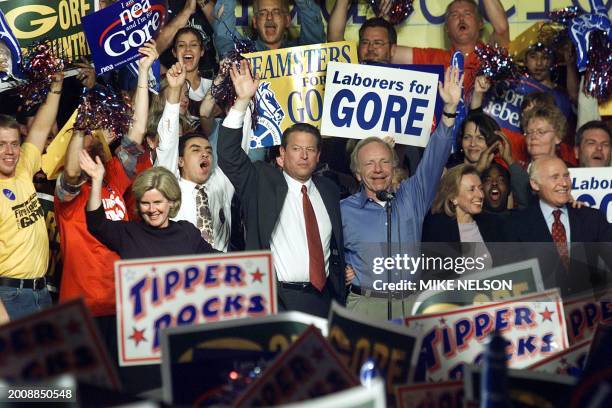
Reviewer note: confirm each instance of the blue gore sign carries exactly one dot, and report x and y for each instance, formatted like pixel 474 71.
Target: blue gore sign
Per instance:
pixel 116 32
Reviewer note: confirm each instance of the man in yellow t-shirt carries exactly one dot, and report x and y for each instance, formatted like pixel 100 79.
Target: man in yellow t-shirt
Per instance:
pixel 24 244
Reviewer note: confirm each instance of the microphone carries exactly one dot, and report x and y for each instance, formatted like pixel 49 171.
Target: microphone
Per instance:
pixel 385 195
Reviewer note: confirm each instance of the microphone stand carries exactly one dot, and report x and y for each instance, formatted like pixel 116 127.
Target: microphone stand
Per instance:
pixel 389 301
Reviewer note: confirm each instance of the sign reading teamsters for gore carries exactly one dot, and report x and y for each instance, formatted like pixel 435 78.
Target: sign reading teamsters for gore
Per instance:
pixel 116 32
pixel 362 101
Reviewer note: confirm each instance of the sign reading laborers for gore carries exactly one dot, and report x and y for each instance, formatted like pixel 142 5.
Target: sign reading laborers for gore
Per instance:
pixel 116 32
pixel 593 185
pixel 156 293
pixel 365 100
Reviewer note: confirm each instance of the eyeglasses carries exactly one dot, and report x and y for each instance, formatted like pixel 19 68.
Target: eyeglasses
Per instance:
pixel 537 132
pixel 374 44
pixel 302 149
pixel 266 13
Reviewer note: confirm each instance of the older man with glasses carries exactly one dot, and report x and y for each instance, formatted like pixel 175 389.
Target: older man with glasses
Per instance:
pixel 271 20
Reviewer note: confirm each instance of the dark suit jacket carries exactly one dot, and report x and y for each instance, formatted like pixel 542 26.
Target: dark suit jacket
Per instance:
pixel 441 237
pixel 262 189
pixel 587 225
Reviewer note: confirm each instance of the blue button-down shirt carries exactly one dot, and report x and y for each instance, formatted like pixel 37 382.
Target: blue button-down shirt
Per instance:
pixel 364 220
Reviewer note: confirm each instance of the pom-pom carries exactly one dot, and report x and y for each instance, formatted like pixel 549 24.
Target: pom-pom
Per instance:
pixel 223 92
pixel 399 11
pixel 103 108
pixel 565 15
pixel 599 66
pixel 496 64
pixel 38 67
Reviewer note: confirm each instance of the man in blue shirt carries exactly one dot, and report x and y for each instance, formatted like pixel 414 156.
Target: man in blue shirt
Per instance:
pixel 271 20
pixel 364 216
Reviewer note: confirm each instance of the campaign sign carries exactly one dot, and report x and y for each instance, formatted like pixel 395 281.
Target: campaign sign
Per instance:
pixel 197 360
pixel 534 326
pixel 156 293
pixel 445 394
pixel 116 32
pixel 567 362
pixel 59 22
pixel 291 87
pixel 526 278
pixel 593 185
pixel 506 108
pixel 584 312
pixel 356 340
pixel 309 368
pixel 58 340
pixel 363 100
pixel 525 388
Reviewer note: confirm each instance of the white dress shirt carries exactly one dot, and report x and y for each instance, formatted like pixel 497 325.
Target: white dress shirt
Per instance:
pixel 547 211
pixel 288 242
pixel 218 187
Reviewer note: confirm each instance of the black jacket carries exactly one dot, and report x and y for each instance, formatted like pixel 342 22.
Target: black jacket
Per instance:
pixel 262 189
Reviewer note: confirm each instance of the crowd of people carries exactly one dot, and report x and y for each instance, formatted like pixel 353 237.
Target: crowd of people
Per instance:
pixel 183 179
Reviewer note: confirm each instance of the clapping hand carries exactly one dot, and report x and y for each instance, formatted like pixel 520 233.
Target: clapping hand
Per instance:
pixel 94 169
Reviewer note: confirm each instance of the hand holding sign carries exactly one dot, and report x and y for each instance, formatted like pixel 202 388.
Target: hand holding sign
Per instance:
pixel 149 55
pixel 244 85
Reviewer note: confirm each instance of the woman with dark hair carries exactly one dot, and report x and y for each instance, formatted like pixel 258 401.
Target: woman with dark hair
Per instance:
pixel 482 141
pixel 158 198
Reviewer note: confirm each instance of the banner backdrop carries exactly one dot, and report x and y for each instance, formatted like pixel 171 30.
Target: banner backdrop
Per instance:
pixel 116 32
pixel 594 186
pixel 534 326
pixel 291 87
pixel 156 293
pixel 365 100
pixel 58 21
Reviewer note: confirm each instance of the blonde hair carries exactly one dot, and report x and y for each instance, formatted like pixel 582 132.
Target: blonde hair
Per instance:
pixel 549 113
pixel 162 180
pixel 449 189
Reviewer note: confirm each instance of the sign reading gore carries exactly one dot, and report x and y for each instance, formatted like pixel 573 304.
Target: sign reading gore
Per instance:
pixel 116 32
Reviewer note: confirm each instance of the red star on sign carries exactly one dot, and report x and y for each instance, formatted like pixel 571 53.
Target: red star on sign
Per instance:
pixel 546 314
pixel 257 276
pixel 442 322
pixel 138 336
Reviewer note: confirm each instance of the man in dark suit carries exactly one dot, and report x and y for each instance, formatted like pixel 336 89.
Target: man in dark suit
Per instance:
pixel 291 212
pixel 551 219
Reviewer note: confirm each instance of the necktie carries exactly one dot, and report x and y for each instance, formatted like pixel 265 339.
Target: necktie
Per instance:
pixel 316 264
pixel 560 238
pixel 204 216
